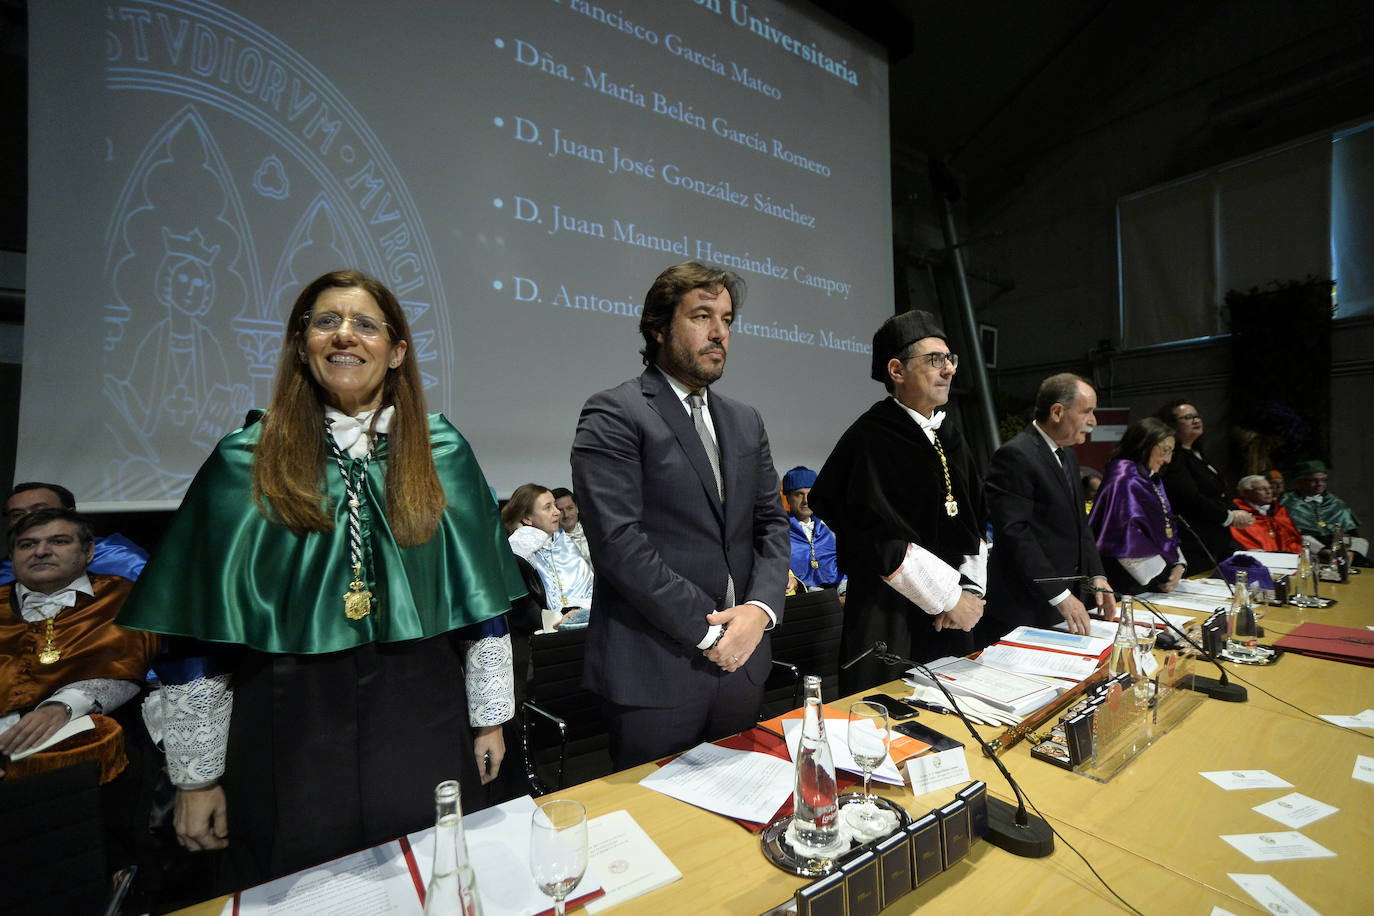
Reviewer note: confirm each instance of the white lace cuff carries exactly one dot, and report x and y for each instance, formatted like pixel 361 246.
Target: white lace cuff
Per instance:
pixel 975 567
pixel 926 581
pixel 96 696
pixel 1143 569
pixel 195 729
pixel 490 681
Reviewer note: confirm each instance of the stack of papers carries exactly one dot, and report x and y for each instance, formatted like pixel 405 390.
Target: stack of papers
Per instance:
pixel 1004 690
pixel 1022 660
pixel 1060 641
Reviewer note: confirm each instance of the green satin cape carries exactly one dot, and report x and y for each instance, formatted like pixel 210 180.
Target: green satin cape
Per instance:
pixel 226 574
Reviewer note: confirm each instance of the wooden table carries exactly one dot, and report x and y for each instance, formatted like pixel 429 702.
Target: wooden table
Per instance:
pixel 1153 831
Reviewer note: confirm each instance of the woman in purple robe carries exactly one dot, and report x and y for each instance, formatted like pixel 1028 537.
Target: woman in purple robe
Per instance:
pixel 1136 532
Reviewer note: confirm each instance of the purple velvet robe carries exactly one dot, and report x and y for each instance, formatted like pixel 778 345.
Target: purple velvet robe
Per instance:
pixel 1128 516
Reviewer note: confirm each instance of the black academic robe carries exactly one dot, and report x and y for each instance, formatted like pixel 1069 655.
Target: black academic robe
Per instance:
pixel 882 488
pixel 1198 494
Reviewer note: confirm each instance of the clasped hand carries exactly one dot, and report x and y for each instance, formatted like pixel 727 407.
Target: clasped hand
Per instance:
pixel 746 623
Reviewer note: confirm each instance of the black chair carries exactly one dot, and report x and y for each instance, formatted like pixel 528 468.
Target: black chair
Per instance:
pixel 52 842
pixel 561 730
pixel 806 642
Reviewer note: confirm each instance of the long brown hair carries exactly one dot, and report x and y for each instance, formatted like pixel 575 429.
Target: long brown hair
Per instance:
pixel 292 458
pixel 521 505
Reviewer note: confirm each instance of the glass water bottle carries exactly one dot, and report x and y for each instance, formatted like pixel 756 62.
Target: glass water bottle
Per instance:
pixel 1124 659
pixel 452 887
pixel 815 798
pixel 1242 632
pixel 1307 594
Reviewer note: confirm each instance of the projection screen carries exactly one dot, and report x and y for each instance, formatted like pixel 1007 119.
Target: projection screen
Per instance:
pixel 517 172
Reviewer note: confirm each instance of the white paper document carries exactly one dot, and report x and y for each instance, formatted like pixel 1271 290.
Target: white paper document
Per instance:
pixel 837 736
pixel 1360 720
pixel 1218 911
pixel 1003 690
pixel 1295 810
pixel 937 771
pixel 375 881
pixel 629 863
pixel 740 784
pixel 498 841
pixel 1035 661
pixel 1246 779
pixel 1277 847
pixel 1211 588
pixel 74 727
pixel 1276 563
pixel 1059 640
pixel 1364 768
pixel 1200 603
pixel 1272 896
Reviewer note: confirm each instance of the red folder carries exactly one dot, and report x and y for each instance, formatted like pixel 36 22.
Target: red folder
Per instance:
pixel 1341 644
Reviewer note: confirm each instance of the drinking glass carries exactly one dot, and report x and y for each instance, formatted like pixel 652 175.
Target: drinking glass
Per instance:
pixel 558 848
pixel 868 740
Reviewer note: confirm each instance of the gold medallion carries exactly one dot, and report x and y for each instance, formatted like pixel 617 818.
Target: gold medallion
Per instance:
pixel 358 599
pixel 814 564
pixel 951 507
pixel 49 655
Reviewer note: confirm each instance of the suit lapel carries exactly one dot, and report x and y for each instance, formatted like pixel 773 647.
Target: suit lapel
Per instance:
pixel 662 399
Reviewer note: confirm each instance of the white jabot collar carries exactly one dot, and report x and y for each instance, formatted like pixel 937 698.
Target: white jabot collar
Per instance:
pixel 526 540
pixel 353 434
pixel 35 606
pixel 928 424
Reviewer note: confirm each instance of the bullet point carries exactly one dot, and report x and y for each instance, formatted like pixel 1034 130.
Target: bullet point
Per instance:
pixel 496 284
pixel 499 122
pixel 498 203
pixel 500 43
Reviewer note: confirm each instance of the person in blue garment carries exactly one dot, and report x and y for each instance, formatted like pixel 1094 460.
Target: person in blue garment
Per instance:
pixel 813 560
pixel 334 587
pixel 115 555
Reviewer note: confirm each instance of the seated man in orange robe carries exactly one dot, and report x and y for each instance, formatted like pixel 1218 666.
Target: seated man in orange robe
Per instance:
pixel 1273 529
pixel 61 655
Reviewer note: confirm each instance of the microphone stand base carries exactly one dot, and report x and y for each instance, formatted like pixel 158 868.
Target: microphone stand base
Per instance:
pixel 1033 841
pixel 1210 686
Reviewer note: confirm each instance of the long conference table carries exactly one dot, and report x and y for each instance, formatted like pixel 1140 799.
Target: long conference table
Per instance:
pixel 1153 832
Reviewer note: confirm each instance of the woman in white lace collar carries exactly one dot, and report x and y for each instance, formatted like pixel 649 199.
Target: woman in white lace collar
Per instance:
pixel 532 517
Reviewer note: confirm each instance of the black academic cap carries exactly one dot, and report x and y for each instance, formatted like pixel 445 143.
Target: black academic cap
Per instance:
pixel 897 333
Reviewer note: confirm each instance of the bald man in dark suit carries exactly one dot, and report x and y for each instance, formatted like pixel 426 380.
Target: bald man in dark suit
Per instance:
pixel 680 505
pixel 1040 531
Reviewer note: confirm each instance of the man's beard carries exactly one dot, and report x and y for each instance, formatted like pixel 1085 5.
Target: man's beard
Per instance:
pixel 684 364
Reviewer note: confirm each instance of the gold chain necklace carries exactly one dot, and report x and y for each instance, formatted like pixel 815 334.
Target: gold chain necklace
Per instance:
pixel 1168 527
pixel 49 653
pixel 951 507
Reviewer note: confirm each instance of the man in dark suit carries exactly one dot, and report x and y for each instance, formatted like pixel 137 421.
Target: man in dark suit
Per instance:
pixel 680 505
pixel 1040 531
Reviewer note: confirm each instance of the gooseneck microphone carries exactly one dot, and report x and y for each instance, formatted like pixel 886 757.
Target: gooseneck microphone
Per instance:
pixel 1010 827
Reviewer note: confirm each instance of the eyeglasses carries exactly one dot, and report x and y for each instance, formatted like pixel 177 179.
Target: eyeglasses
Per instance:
pixel 329 322
pixel 1187 417
pixel 937 360
pixel 1165 449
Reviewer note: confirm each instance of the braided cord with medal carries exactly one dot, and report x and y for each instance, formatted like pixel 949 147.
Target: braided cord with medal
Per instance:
pixel 358 598
pixel 951 507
